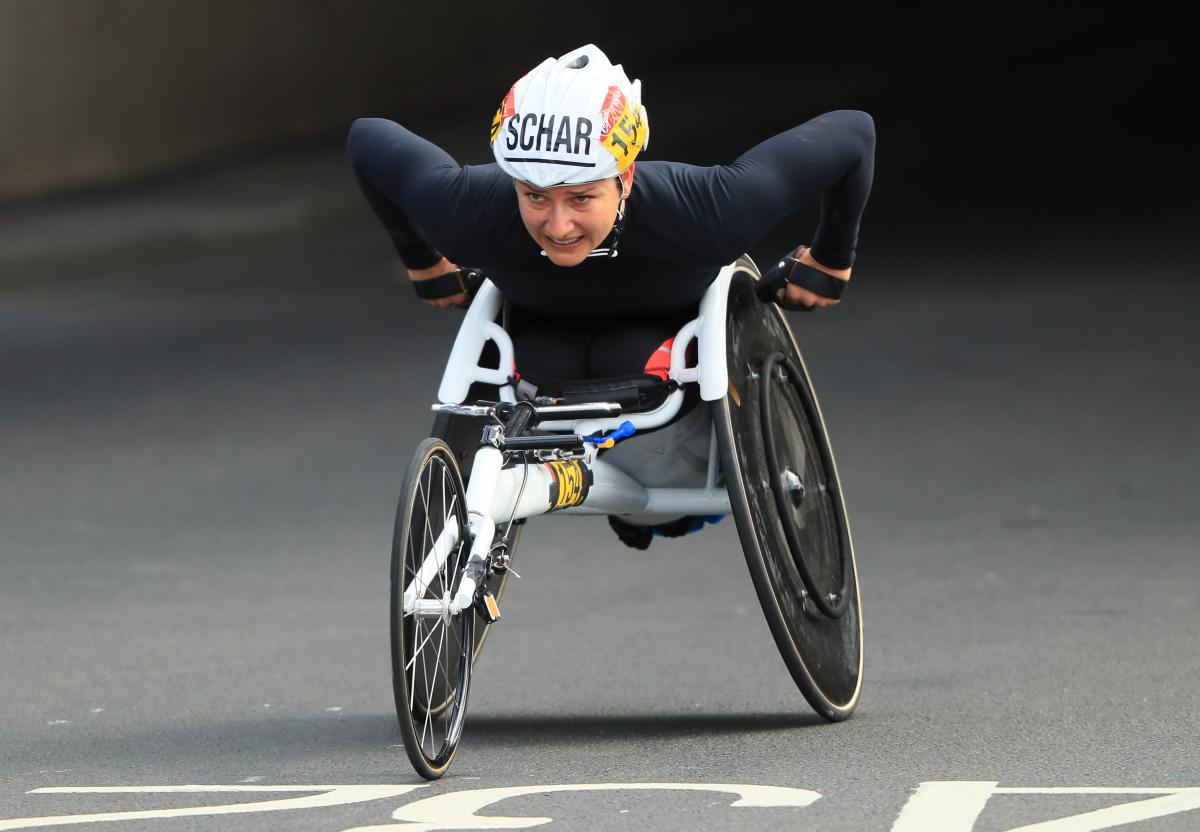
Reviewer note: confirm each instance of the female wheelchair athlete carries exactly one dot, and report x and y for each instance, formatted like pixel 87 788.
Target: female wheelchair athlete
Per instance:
pixel 758 449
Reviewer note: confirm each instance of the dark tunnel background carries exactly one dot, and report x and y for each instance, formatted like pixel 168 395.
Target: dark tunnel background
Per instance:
pixel 1021 131
pixel 1002 124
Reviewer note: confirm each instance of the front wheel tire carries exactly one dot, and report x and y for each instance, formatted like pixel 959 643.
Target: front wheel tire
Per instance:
pixel 431 648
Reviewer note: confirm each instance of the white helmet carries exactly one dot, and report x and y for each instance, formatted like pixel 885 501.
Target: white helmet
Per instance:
pixel 569 121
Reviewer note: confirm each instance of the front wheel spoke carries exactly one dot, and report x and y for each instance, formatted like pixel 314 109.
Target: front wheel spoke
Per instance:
pixel 426 536
pixel 417 650
pixel 449 569
pixel 443 509
pixel 428 730
pixel 432 683
pixel 412 679
pixel 410 670
pixel 443 668
pixel 429 680
pixel 429 699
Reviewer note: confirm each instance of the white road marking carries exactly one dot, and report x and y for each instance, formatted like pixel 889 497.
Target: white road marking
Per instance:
pixel 1092 790
pixel 456 810
pixel 1183 800
pixel 328 796
pixel 954 806
pixel 936 806
pixel 944 805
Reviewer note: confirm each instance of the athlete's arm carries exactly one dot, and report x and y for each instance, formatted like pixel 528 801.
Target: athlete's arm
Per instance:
pixel 389 163
pixel 829 160
pixel 415 189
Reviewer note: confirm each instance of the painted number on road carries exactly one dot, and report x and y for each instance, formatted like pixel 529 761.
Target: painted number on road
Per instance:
pixel 954 805
pixel 326 796
pixel 936 806
pixel 457 810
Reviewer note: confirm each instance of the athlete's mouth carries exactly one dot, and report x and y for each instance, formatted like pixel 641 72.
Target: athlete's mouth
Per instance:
pixel 567 243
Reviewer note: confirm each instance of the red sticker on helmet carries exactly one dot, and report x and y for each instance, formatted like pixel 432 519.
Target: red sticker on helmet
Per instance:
pixel 506 110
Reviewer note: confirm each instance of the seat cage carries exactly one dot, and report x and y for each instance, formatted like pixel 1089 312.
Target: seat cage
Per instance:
pixel 707 329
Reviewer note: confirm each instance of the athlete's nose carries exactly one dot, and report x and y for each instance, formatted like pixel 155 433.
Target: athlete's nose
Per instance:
pixel 559 224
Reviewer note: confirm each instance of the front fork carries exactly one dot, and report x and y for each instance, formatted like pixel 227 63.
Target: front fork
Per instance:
pixel 474 574
pixel 492 492
pixel 522 491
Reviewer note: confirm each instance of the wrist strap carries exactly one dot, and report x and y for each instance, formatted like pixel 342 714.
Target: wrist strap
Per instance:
pixel 449 284
pixel 815 280
pixel 773 284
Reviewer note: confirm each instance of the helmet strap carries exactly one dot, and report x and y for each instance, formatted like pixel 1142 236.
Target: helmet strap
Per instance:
pixel 610 251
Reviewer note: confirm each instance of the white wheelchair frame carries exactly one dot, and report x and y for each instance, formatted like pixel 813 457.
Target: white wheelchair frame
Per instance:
pixel 723 456
pixel 498 495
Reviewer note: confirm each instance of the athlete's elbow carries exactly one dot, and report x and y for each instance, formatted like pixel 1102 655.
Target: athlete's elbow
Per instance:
pixel 861 126
pixel 356 138
pixel 363 137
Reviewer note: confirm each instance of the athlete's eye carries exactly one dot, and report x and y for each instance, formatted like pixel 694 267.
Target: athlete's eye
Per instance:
pixel 583 199
pixel 534 197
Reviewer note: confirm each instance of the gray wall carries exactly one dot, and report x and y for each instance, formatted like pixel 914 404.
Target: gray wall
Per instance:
pixel 97 90
pixel 94 91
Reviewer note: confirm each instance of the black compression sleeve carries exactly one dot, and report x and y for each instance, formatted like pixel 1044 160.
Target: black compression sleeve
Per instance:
pixel 389 162
pixel 836 240
pixel 830 158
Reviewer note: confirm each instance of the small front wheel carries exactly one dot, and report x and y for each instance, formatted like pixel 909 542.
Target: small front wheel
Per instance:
pixel 431 645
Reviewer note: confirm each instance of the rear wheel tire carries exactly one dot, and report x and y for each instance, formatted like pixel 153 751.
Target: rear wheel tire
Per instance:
pixel 823 652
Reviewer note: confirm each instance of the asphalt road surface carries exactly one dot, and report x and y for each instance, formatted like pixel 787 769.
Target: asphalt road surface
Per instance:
pixel 201 452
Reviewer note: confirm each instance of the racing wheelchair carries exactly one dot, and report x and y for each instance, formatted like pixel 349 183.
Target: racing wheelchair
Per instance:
pixel 753 444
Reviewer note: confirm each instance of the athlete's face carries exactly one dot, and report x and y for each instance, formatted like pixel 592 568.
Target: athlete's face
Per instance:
pixel 569 221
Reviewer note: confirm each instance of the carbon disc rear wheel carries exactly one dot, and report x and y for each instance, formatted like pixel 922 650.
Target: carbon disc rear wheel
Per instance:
pixel 787 501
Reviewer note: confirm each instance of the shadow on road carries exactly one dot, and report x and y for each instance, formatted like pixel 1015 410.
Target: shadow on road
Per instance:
pixel 254 742
pixel 217 742
pixel 535 729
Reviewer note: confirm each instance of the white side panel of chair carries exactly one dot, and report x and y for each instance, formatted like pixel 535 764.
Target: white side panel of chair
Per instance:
pixel 478 327
pixel 710 337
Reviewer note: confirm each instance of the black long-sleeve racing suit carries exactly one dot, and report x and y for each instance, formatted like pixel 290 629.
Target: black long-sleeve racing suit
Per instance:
pixel 683 223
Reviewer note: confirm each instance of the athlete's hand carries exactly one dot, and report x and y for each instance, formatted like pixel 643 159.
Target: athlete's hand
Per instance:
pixel 800 295
pixel 437 270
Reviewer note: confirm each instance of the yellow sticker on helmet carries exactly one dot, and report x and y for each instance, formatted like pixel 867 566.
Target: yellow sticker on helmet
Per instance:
pixel 622 129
